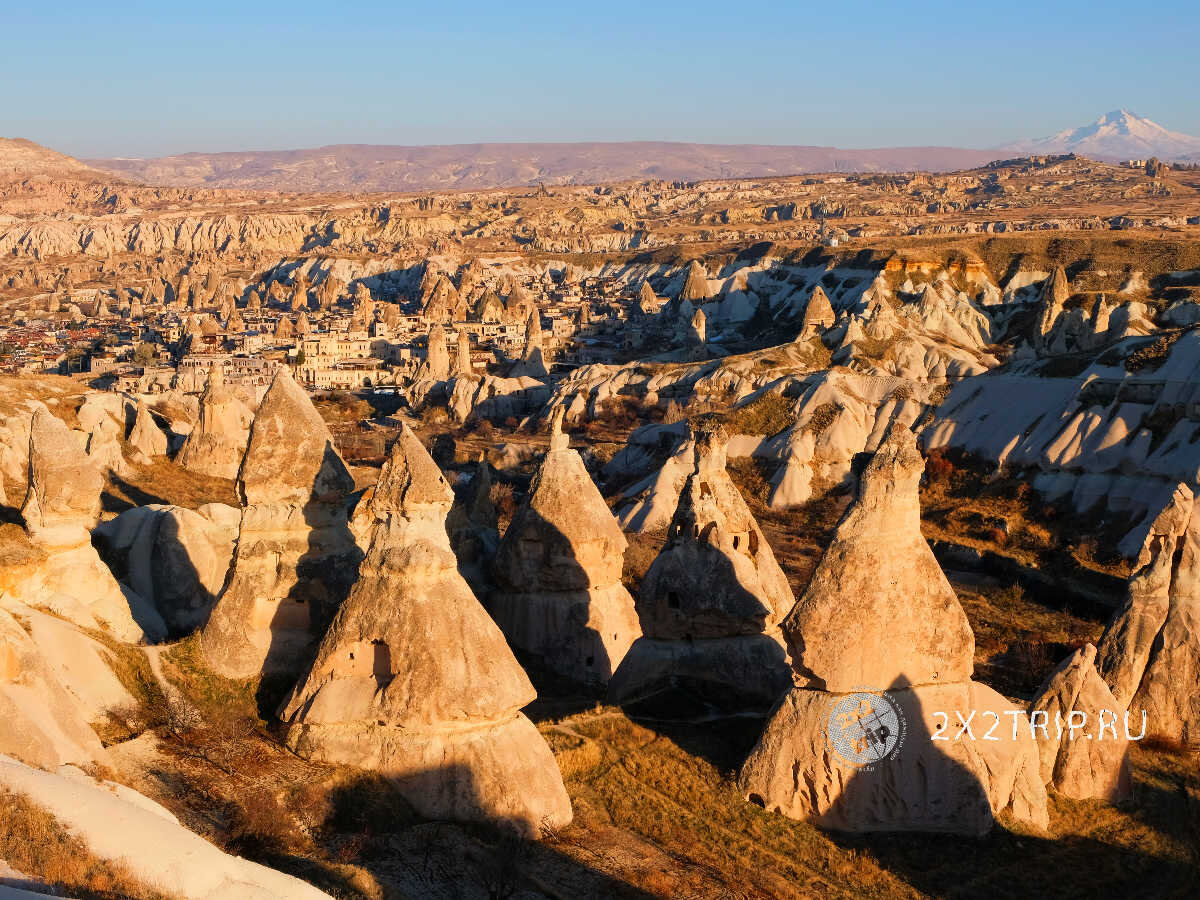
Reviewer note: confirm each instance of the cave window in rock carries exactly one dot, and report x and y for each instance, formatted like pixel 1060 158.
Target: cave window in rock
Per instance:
pixel 672 600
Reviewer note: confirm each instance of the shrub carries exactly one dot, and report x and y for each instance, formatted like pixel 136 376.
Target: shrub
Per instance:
pixel 822 417
pixel 505 501
pixel 766 414
pixel 1152 355
pixel 937 466
pixel 434 415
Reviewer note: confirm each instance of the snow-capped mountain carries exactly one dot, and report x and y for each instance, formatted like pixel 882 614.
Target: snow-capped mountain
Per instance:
pixel 1117 135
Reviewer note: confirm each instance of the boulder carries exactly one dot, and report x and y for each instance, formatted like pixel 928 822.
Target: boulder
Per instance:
pixel 558 568
pixel 414 680
pixel 295 557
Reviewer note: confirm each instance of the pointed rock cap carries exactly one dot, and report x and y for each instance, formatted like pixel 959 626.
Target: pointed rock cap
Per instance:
pixel 1057 288
pixel 563 537
pixel 819 310
pixel 559 440
pixel 145 435
pixel 291 457
pixel 695 286
pixel 647 299
pixel 1128 640
pixel 437 358
pixel 410 481
pixel 879 611
pixel 717 575
pixel 64 486
pixel 710 442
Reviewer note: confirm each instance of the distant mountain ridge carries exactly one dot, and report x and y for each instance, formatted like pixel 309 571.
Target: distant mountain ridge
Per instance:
pixel 1116 135
pixel 24 158
pixel 366 167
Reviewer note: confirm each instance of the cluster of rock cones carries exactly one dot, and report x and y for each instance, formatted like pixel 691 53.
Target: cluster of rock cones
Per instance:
pixel 400 667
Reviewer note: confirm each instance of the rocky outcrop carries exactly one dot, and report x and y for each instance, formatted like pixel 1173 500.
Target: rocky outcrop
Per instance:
pixel 695 284
pixel 295 557
pixel 44 724
pixel 559 570
pixel 415 681
pixel 818 314
pixel 883 657
pixel 711 602
pixel 437 358
pixel 216 445
pixel 62 505
pixel 1149 654
pixel 1082 741
pixel 146 437
pixel 1055 291
pixel 531 364
pixel 462 357
pixel 474 529
pixel 173 557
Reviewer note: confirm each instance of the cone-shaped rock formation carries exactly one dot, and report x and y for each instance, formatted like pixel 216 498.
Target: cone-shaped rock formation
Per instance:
pixel 559 571
pixel 295 555
pixel 413 679
pixel 711 602
pixel 1150 653
pixel 880 629
pixel 62 505
pixel 215 446
pixel 1090 762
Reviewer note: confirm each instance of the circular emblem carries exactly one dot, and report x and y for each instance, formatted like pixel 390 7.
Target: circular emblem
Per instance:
pixel 864 728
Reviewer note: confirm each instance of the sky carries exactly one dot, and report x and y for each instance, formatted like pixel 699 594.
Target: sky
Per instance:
pixel 151 79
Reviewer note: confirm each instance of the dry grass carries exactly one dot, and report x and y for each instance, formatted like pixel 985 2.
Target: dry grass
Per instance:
pixel 767 414
pixel 164 482
pixel 658 788
pixel 34 842
pixel 638 556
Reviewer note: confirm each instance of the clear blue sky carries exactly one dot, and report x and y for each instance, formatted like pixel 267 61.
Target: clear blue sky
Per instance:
pixel 140 79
